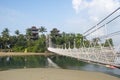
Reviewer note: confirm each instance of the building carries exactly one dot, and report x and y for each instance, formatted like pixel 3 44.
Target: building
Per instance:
pixel 34 33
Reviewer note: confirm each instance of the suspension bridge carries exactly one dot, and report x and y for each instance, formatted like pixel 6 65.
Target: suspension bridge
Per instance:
pixel 109 56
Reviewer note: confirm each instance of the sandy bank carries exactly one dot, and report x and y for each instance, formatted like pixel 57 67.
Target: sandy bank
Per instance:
pixel 52 74
pixel 2 54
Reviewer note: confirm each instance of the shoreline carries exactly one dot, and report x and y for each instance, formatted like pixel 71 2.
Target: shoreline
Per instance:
pixel 53 74
pixel 3 54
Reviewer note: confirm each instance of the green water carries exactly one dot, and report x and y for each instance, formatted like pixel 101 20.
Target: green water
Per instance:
pixel 22 62
pixel 63 62
pixel 72 63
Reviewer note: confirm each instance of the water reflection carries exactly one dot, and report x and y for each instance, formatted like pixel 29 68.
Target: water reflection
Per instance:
pixel 61 61
pixel 100 68
pixel 78 65
pixel 22 62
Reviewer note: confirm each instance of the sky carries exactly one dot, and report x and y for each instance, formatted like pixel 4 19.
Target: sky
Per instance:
pixel 71 16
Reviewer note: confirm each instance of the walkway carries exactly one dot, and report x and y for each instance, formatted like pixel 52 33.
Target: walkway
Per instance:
pixel 99 56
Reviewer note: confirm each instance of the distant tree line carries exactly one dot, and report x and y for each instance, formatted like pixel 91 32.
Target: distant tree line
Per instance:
pixel 19 42
pixel 71 40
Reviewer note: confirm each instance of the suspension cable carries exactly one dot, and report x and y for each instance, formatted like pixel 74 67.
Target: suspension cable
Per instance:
pixel 102 20
pixel 103 25
pixel 111 34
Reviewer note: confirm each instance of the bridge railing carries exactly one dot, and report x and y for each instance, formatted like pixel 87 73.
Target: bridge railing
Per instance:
pixel 96 45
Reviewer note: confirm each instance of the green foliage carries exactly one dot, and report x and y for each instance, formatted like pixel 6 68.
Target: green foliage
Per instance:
pixel 108 43
pixel 42 29
pixel 5 33
pixel 38 45
pixel 86 43
pixel 66 39
pixel 5 37
pixel 18 49
pixel 17 32
pixel 20 42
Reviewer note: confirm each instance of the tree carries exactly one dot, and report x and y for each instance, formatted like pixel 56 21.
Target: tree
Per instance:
pixel 5 37
pixel 13 41
pixel 42 29
pixel 5 33
pixel 1 42
pixel 95 41
pixel 20 44
pixel 108 42
pixel 78 40
pixel 17 32
pixel 28 33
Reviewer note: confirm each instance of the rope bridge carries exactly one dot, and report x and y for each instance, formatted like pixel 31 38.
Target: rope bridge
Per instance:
pixel 96 51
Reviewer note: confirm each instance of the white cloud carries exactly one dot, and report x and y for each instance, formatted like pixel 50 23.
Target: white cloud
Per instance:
pixel 99 8
pixel 95 7
pixel 76 5
pixel 92 11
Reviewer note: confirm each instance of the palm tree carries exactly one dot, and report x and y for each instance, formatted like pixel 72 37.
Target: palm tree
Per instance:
pixel 1 43
pixel 5 33
pixel 42 29
pixel 17 32
pixel 78 40
pixel 28 33
pixel 5 37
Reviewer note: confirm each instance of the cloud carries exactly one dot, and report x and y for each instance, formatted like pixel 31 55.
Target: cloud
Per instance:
pixel 92 11
pixel 95 7
pixel 99 8
pixel 76 5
